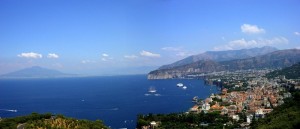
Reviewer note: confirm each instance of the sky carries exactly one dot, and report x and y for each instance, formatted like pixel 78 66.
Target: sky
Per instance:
pixel 110 37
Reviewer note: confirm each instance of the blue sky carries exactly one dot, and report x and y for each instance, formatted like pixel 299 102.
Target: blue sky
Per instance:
pixel 98 37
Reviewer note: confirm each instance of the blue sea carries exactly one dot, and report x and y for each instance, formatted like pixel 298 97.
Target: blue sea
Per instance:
pixel 116 100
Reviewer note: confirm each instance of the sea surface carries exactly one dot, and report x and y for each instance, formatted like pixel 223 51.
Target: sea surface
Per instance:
pixel 116 100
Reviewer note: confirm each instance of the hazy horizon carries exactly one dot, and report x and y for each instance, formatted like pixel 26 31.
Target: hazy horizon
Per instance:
pixel 132 37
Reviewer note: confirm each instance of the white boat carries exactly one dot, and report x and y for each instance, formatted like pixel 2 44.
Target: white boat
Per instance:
pixel 180 85
pixel 152 90
pixel 184 87
pixel 13 110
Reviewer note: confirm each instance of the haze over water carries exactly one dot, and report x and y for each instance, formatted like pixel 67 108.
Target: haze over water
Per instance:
pixel 115 99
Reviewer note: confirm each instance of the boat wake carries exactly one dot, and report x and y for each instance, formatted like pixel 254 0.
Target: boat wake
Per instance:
pixel 9 110
pixel 110 109
pixel 152 94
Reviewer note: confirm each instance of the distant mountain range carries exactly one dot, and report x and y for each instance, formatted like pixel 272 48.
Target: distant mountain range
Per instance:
pixel 36 72
pixel 222 56
pixel 256 58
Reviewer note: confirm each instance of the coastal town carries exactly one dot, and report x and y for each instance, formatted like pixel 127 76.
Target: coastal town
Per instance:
pixel 245 96
pixel 246 93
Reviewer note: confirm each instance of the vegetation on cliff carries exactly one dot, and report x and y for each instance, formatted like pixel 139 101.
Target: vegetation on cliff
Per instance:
pixel 48 121
pixel 186 120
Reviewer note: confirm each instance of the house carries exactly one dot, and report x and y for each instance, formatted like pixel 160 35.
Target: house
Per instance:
pixel 216 107
pixel 208 100
pixel 194 108
pixel 249 118
pixel 297 87
pixel 205 107
pixel 259 113
pixel 232 109
pixel 224 111
pixel 266 111
pixel 236 117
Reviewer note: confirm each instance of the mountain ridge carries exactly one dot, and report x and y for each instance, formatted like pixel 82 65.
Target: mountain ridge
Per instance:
pixel 273 60
pixel 219 56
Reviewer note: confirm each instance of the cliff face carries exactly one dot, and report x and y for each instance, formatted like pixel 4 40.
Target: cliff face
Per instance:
pixel 277 59
pixel 161 75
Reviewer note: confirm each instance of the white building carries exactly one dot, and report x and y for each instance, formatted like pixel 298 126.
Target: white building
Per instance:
pixel 205 107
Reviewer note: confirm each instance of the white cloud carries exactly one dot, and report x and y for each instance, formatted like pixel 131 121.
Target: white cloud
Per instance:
pixel 130 56
pixel 297 33
pixel 105 55
pixel 149 54
pixel 87 61
pixel 242 43
pixel 251 29
pixel 171 48
pixel 52 55
pixel 30 55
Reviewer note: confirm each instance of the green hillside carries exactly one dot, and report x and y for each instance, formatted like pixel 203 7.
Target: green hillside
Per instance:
pixel 292 72
pixel 48 121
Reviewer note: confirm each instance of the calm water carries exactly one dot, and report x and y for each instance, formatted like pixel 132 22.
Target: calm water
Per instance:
pixel 116 100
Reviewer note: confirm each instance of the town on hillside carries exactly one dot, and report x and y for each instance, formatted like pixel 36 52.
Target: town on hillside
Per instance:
pixel 246 96
pixel 247 92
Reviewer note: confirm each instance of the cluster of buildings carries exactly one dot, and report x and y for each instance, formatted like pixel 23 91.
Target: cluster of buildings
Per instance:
pixel 257 98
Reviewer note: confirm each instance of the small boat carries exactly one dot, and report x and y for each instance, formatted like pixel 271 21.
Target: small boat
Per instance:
pixel 184 87
pixel 179 85
pixel 152 90
pixel 13 110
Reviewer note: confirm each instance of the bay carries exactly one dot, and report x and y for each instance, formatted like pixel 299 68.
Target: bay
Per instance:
pixel 114 99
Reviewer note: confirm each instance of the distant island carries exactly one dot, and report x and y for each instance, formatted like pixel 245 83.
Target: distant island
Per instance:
pixel 36 72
